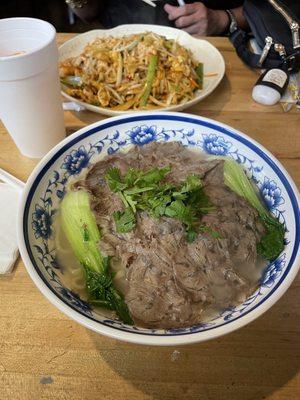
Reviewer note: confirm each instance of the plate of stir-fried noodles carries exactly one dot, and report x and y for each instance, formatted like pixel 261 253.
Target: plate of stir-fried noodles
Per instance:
pixel 138 67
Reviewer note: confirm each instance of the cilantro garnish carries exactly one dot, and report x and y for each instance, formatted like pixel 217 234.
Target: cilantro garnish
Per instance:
pixel 145 190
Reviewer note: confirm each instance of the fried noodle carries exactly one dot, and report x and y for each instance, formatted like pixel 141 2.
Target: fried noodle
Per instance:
pixel 141 71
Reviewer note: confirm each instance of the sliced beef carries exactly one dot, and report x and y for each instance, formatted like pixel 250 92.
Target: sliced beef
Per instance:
pixel 169 282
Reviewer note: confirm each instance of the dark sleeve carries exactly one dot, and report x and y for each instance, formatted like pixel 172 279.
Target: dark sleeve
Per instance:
pixel 118 12
pixel 219 4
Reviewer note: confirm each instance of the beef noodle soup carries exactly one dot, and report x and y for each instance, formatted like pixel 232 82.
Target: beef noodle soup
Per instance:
pixel 176 244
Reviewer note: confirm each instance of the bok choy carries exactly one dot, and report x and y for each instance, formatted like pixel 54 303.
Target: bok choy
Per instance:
pixel 81 230
pixel 272 243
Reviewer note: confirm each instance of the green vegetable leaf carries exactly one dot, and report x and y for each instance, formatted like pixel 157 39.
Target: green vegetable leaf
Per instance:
pixel 81 230
pixel 85 234
pixel 192 182
pixel 131 202
pixel 97 283
pixel 101 291
pixel 199 201
pixel 236 179
pixel 125 220
pixel 131 176
pixel 137 190
pixel 177 209
pixel 80 227
pixel 153 176
pixel 114 180
pixel 272 243
pixel 191 235
pixel 156 206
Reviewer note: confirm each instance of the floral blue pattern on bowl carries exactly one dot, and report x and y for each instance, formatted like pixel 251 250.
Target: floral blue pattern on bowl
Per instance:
pixel 84 150
pixel 76 161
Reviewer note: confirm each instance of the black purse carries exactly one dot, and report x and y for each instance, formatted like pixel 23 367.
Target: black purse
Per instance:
pixel 275 24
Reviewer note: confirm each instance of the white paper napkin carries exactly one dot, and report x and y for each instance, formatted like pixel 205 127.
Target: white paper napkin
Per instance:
pixel 72 106
pixel 9 198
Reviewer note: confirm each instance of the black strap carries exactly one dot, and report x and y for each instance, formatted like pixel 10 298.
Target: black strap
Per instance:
pixel 240 40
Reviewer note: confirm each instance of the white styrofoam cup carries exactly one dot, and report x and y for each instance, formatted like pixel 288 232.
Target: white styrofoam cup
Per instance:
pixel 30 100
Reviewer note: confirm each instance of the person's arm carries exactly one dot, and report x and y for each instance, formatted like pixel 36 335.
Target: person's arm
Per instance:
pixel 88 11
pixel 197 19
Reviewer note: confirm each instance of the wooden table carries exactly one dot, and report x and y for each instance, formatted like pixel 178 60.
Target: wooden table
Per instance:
pixel 45 355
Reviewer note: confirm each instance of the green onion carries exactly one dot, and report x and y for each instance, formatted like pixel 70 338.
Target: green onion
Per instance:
pixel 149 80
pixel 199 72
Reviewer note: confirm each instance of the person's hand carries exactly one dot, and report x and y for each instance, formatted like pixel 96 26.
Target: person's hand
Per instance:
pixel 197 19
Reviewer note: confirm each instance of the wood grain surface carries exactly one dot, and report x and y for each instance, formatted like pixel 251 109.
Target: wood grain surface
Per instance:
pixel 44 355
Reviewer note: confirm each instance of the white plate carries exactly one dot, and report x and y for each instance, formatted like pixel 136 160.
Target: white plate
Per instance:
pixel 201 49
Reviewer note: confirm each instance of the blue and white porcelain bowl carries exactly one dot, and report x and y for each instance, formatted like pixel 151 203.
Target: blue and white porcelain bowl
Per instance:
pixel 47 184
